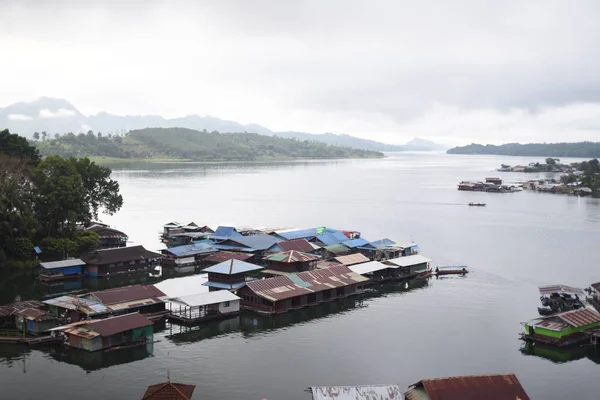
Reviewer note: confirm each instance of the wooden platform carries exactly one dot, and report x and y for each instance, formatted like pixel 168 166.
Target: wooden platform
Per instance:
pixel 28 340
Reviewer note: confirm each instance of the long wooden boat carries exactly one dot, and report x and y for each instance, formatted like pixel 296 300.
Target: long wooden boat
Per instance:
pixel 452 270
pixel 477 204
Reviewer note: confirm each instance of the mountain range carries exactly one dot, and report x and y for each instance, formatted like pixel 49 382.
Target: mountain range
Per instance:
pixel 59 116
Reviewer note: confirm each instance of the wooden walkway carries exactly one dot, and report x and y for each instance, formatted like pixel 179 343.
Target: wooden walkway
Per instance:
pixel 29 340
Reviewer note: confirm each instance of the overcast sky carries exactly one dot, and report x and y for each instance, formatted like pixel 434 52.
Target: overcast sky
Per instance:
pixel 452 71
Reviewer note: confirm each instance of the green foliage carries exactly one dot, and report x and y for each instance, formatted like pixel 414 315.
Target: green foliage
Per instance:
pixel 87 241
pixel 180 143
pixel 582 149
pixel 54 248
pixel 16 146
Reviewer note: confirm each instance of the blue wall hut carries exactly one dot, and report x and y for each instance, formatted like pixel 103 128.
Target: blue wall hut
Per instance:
pixel 64 269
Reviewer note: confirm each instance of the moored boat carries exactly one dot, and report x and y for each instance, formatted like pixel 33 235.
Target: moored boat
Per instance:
pixel 452 270
pixel 477 204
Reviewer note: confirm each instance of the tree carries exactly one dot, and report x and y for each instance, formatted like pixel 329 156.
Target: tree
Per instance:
pixel 56 136
pixel 44 134
pixel 550 161
pixel 99 135
pixel 101 192
pixel 16 146
pixel 36 135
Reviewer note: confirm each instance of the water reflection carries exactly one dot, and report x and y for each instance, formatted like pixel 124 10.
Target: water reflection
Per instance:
pixel 559 355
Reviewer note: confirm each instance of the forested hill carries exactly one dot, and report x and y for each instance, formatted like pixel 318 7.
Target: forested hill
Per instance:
pixel 581 149
pixel 188 144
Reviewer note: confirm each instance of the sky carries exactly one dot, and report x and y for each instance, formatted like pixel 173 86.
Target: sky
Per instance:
pixel 451 71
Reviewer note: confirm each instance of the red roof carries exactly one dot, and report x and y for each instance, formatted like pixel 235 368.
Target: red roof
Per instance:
pixel 126 293
pixel 489 387
pixel 123 323
pixel 581 317
pixel 227 255
pixel 32 313
pixel 169 391
pixel 285 287
pixel 296 244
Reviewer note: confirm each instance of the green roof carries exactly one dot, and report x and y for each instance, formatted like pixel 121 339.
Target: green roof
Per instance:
pixel 336 248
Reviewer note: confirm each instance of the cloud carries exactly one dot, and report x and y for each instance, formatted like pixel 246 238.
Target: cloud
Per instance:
pixel 60 113
pixel 19 117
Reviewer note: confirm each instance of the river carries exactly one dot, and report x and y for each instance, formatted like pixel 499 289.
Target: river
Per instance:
pixel 396 334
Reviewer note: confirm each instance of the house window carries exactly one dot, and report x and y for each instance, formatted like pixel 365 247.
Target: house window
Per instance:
pixel 226 304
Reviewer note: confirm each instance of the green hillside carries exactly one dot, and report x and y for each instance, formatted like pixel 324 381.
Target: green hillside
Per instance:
pixel 188 144
pixel 581 149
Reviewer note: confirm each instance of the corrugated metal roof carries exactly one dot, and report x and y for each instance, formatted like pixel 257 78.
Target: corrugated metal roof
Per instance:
pixel 122 323
pixel 296 244
pixel 354 243
pixel 368 267
pixel 234 247
pixel 579 318
pixel 122 254
pixel 62 263
pixel 227 286
pixel 489 387
pixel 8 309
pixel 362 392
pixel 284 287
pixel 233 266
pixel 337 248
pixel 305 233
pixel 227 255
pixel 224 233
pixel 352 259
pixel 169 391
pixel 31 313
pixel 408 261
pixel 383 243
pixel 190 249
pixel 125 293
pixel 203 299
pixel 549 289
pixel 596 286
pixel 327 264
pixel 89 306
pixel 257 242
pixel 292 256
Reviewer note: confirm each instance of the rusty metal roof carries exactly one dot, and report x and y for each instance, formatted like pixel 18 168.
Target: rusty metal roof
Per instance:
pixel 352 259
pixel 169 391
pixel 549 289
pixel 292 285
pixel 126 293
pixel 489 387
pixel 297 244
pixel 361 392
pixel 581 317
pixel 121 254
pixel 122 323
pixel 227 255
pixel 326 264
pixel 31 313
pixel 596 286
pixel 8 309
pixel 292 256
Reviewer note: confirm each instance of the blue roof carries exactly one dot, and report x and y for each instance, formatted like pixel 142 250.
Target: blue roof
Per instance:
pixel 332 238
pixel 355 243
pixel 191 249
pixel 220 285
pixel 221 246
pixel 383 242
pixel 232 267
pixel 257 242
pixel 224 233
pixel 306 234
pixel 37 249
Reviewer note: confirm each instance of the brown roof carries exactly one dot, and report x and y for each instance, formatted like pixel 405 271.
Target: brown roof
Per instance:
pixel 596 286
pixel 169 391
pixel 489 387
pixel 327 264
pixel 581 317
pixel 352 259
pixel 126 293
pixel 31 313
pixel 106 232
pixel 227 255
pixel 296 244
pixel 122 254
pixel 292 256
pixel 122 323
pixel 292 285
pixel 8 309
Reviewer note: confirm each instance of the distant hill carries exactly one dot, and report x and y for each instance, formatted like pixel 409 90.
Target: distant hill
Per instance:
pixel 580 149
pixel 416 144
pixel 59 116
pixel 188 144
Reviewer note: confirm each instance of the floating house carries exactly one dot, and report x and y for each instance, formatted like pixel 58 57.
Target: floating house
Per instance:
pixel 34 320
pixel 489 387
pixel 562 329
pixel 258 244
pixel 198 308
pixel 302 245
pixel 102 334
pixel 290 262
pixel 293 291
pixel 224 233
pixel 116 301
pixel 61 270
pixel 352 259
pixel 7 310
pixel 494 181
pixel 175 234
pixel 185 258
pixel 230 275
pixel 169 391
pixel 109 237
pixel 222 256
pixel 360 392
pixel 410 266
pixel 383 249
pixel 376 271
pixel 330 238
pixel 122 260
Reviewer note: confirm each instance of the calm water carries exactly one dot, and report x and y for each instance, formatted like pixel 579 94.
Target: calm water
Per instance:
pixel 444 327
